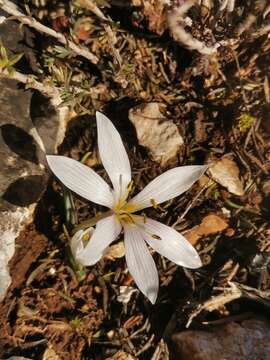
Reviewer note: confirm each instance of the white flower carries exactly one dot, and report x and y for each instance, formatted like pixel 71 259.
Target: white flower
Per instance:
pixel 138 230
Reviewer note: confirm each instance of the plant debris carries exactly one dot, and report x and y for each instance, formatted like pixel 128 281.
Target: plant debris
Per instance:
pixel 211 224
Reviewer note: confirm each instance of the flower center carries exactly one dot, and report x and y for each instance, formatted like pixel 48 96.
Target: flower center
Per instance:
pixel 124 211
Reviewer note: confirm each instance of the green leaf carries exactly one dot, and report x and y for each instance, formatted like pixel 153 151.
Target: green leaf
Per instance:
pixel 14 59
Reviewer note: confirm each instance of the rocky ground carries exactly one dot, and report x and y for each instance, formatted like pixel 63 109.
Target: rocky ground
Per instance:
pixel 185 82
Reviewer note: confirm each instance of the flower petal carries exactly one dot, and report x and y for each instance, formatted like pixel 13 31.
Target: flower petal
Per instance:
pixel 113 155
pixel 168 185
pixel 170 243
pixel 105 233
pixel 81 179
pixel 76 242
pixel 140 263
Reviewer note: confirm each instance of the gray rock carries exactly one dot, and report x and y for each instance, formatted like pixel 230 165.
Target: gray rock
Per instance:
pixel 155 132
pixel 30 125
pixel 249 340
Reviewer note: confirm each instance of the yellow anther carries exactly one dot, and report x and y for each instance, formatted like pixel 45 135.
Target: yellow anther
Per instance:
pixel 126 218
pixel 130 208
pixel 86 237
pixel 144 218
pixel 154 203
pixel 130 186
pixel 156 206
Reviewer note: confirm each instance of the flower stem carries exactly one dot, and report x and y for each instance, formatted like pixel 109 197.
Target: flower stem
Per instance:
pixel 91 222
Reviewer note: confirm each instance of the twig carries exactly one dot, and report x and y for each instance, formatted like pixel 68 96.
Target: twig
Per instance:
pixel 90 5
pixel 146 346
pixel 228 319
pixel 12 9
pixel 193 201
pixel 227 4
pixel 179 34
pixel 29 80
pixel 161 351
pixel 216 302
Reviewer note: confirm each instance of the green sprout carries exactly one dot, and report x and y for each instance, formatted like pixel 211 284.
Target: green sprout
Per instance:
pixel 6 62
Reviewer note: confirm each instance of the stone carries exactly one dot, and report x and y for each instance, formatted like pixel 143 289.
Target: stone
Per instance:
pixel 155 132
pixel 248 340
pixel 30 125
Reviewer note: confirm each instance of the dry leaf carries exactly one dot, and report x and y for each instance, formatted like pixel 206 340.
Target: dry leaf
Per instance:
pixel 50 354
pixel 226 173
pixel 155 11
pixel 125 294
pixel 211 224
pixel 116 251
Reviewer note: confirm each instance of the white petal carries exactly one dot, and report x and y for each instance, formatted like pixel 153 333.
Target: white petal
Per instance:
pixel 168 185
pixel 77 243
pixel 113 155
pixel 105 233
pixel 171 244
pixel 140 263
pixel 81 179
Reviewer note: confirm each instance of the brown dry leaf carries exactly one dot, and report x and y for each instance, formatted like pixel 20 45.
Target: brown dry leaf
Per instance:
pixel 226 173
pixel 155 11
pixel 211 224
pixel 156 132
pixel 116 251
pixel 50 354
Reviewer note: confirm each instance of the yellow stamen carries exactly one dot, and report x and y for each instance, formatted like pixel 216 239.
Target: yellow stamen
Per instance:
pixel 153 203
pixel 156 206
pixel 130 186
pixel 86 237
pixel 91 222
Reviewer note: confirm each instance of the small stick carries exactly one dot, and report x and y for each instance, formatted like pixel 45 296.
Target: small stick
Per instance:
pixel 179 33
pixel 29 79
pixel 12 9
pixel 181 217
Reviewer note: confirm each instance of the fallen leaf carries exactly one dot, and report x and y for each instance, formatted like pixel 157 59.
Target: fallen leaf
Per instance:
pixel 156 132
pixel 226 173
pixel 50 354
pixel 116 251
pixel 125 294
pixel 211 224
pixel 156 13
pixel 60 24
